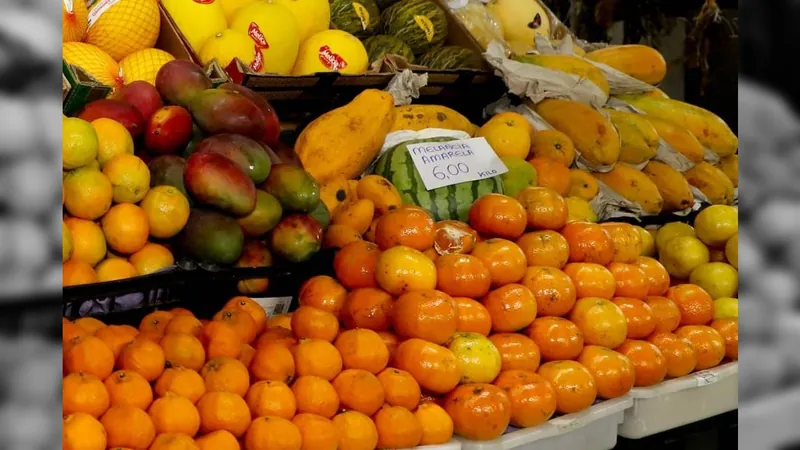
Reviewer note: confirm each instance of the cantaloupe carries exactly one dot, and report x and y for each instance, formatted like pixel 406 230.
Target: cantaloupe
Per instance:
pixel 74 20
pixel 122 27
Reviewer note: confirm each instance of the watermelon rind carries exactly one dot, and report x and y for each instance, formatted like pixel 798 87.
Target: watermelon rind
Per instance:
pixel 451 57
pixel 361 18
pixel 381 45
pixel 421 24
pixel 444 203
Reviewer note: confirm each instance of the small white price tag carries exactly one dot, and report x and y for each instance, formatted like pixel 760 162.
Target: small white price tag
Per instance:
pixel 705 377
pixel 447 163
pixel 274 306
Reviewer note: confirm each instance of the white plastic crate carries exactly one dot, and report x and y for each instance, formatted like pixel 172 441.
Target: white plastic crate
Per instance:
pixel 681 401
pixel 592 429
pixel 452 445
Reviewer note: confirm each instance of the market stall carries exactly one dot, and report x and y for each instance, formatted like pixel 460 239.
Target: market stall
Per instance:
pixel 393 224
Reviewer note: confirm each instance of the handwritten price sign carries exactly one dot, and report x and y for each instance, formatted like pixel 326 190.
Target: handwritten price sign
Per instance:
pixel 446 163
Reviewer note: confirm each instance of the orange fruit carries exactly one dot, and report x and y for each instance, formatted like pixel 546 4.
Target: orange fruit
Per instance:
pixel 613 372
pixel 397 428
pixel 728 328
pixel 173 441
pixel 400 388
pixel 544 248
pixel 356 431
pixel 222 339
pixel 601 322
pixel 433 366
pixel 355 264
pixel 708 344
pixel 126 228
pixel 277 335
pixel 130 179
pixel 251 307
pixel 401 269
pixel 591 280
pixel 280 320
pixel 462 276
pixel 696 306
pixel 90 324
pixel 273 362
pixel 368 308
pixel 630 279
pixel 437 426
pixel 552 174
pixel 626 239
pixel 223 411
pixel 167 211
pixel 679 353
pixel 588 242
pixel 241 321
pixel 84 393
pixel 313 323
pixel 425 314
pixel 454 237
pixel 151 258
pixel 545 208
pixel 129 388
pixel 271 398
pixel 128 426
pixel 315 395
pixel 582 184
pixel 553 290
pixel 273 433
pixel 517 352
pixel 639 316
pixel 75 272
pixel 554 145
pixel 533 398
pixel 184 324
pixel 226 375
pixel 556 337
pixel 359 390
pixel 183 350
pixel 407 227
pixel 87 193
pixel 218 440
pixel 174 414
pixel 144 357
pixel 504 259
pixel 181 381
pixel 81 430
pixel 655 274
pixel 154 324
pixel 391 341
pixel 324 293
pixel 473 317
pixel 480 412
pixel 317 357
pixel 89 355
pixel 649 363
pixel 574 385
pixel 362 349
pixel 115 269
pixel 512 307
pixel 246 356
pixel 116 336
pixel 318 433
pixel 498 215
pixel 666 314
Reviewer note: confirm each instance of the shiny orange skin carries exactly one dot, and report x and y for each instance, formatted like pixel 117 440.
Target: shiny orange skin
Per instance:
pixel 277 335
pixel 480 412
pixel 533 398
pixel 313 323
pixel 129 388
pixel 402 269
pixel 180 381
pixel 247 304
pixel 591 280
pixel 551 174
pixel 512 307
pixel 517 352
pixel 666 314
pixel 574 385
pixel 356 431
pixel 655 274
pixel 649 363
pixel 368 308
pixel 324 293
pixel 397 428
pixel 681 359
pixel 271 398
pixel 433 366
pixel 600 321
pixel 546 209
pixel 128 426
pixel 317 357
pixel 362 349
pixel 639 315
pixel 437 426
pixel 553 289
pixel 697 307
pixel 729 330
pixel 613 372
pixel 91 355
pixel 708 344
pixel 588 242
pixel 462 276
pixel 318 432
pixel 473 317
pixel 241 321
pixel 184 350
pixel 504 259
pixel 84 393
pixel 315 395
pixel 273 362
pixel 410 227
pixel 498 215
pixel 627 241
pixel 428 314
pixel 226 375
pixel 556 337
pixel 223 411
pixel 355 264
pixel 116 336
pixel 454 237
pixel 544 248
pixel 631 281
pixel 154 324
pixel 400 388
pixel 144 357
pixel 359 390
pixel 268 433
pixel 391 341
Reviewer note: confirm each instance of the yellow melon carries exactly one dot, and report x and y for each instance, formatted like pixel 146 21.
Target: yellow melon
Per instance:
pixel 74 20
pixel 312 16
pixel 231 7
pixel 144 65
pixel 274 30
pixel 521 21
pixel 97 63
pixel 331 51
pixel 197 21
pixel 226 46
pixel 122 27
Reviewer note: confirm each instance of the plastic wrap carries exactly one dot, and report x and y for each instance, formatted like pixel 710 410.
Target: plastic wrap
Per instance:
pixel 478 21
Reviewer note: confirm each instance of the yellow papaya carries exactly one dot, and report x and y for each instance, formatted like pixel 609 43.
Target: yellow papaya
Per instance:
pixel 380 191
pixel 634 186
pixel 591 133
pixel 674 188
pixel 639 139
pixel 712 182
pixel 582 184
pixel 420 117
pixel 357 215
pixel 572 65
pixel 336 192
pixel 638 61
pixel 729 165
pixel 343 142
pixel 679 139
pixel 711 131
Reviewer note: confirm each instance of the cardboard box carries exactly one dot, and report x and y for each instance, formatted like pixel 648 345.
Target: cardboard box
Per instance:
pixel 79 88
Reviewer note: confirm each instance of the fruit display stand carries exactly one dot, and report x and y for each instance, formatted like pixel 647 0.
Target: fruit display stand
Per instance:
pixel 592 429
pixel 681 401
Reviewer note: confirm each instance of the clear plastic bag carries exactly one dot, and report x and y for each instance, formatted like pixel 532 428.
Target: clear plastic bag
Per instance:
pixel 478 20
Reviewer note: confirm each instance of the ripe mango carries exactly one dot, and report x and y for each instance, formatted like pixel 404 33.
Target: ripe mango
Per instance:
pixel 179 81
pixel 117 110
pixel 167 170
pixel 293 187
pixel 245 152
pixel 296 238
pixel 218 111
pixel 211 237
pixel 216 181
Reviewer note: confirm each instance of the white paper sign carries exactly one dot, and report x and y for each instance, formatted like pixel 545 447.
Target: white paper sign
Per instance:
pixel 274 306
pixel 452 162
pixel 705 377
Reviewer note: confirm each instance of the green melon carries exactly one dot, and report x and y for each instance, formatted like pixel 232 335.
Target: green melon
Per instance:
pixel 383 4
pixel 360 18
pixel 380 45
pixel 421 24
pixel 444 203
pixel 451 57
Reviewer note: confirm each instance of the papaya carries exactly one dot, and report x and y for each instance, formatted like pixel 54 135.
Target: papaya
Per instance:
pixel 582 184
pixel 591 133
pixel 380 191
pixel 655 93
pixel 711 131
pixel 679 139
pixel 674 188
pixel 639 139
pixel 572 65
pixel 344 142
pixel 638 61
pixel 336 192
pixel 729 165
pixel 420 117
pixel 634 186
pixel 712 182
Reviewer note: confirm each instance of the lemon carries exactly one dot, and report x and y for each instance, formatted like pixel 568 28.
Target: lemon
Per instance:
pixel 732 250
pixel 113 138
pixel 115 269
pixel 66 242
pixel 726 307
pixel 672 230
pixel 648 242
pixel 79 143
pixel 716 224
pixel 580 210
pixel 717 278
pixel 129 177
pixel 682 254
pixel 87 193
pixel 226 46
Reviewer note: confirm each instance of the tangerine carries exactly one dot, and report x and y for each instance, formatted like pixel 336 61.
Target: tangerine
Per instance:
pixel 129 388
pixel 498 215
pixel 462 276
pixel 408 227
pixel 223 411
pixel 454 237
pixel 574 385
pixel 318 433
pixel 666 314
pixel 401 269
pixel 588 242
pixel 316 357
pixel 533 398
pixel 369 308
pixel 437 426
pixel 315 395
pixel 425 314
pixel 480 412
pixel 313 323
pixel 473 317
pixel 324 293
pixel 356 431
pixel 180 381
pixel 639 316
pixel 400 388
pixel 556 337
pixel 512 307
pixel 613 372
pixel 627 241
pixel 226 375
pixel 273 361
pixel 517 352
pixel 544 248
pixel 552 288
pixel 601 322
pixel 679 353
pixel 655 274
pixel 144 357
pixel 696 306
pixel 359 390
pixel 362 349
pixel 273 433
pixel 433 366
pixel 728 328
pixel 271 398
pixel 649 363
pixel 545 208
pixel 84 393
pixel 504 259
pixel 174 414
pixel 591 280
pixel 708 344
